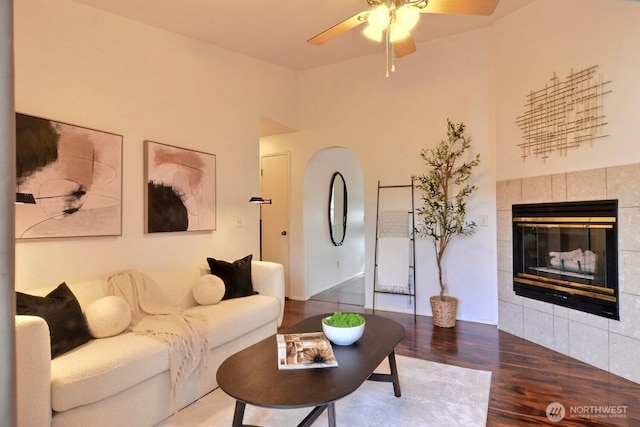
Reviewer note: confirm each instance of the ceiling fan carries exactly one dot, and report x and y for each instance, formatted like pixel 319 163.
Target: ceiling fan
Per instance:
pixel 390 21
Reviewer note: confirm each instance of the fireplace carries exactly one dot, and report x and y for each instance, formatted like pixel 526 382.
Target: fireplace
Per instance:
pixel 566 254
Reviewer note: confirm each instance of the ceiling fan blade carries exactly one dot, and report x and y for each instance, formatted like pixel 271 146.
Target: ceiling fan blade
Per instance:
pixel 404 47
pixel 340 28
pixel 461 7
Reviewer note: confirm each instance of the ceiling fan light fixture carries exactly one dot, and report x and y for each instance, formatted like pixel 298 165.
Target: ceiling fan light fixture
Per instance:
pixel 399 17
pixel 379 18
pixel 407 18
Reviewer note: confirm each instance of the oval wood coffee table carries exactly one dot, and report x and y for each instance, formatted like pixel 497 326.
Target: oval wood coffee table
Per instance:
pixel 251 376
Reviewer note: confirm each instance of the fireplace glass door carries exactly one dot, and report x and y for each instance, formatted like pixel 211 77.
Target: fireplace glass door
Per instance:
pixel 573 253
pixel 567 258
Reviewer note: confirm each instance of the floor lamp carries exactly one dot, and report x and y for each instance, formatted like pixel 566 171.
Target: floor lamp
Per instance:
pixel 260 201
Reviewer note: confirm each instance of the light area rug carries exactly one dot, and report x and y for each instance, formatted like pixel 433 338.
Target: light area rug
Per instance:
pixel 433 394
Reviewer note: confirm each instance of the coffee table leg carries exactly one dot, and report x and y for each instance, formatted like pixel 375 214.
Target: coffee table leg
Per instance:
pixel 394 374
pixel 238 415
pixel 331 412
pixel 392 377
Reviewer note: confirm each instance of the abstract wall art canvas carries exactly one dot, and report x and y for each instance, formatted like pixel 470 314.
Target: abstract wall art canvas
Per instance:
pixel 75 176
pixel 181 189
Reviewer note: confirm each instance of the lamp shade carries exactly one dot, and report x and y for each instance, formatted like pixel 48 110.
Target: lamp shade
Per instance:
pixel 25 198
pixel 379 18
pixel 406 18
pixel 372 33
pixel 260 200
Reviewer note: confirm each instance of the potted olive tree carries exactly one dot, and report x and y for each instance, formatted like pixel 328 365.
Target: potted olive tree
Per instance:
pixel 445 188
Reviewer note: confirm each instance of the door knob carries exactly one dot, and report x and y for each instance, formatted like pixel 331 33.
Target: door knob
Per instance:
pixel 284 233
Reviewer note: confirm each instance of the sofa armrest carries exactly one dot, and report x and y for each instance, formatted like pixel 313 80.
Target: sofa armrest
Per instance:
pixel 33 372
pixel 268 279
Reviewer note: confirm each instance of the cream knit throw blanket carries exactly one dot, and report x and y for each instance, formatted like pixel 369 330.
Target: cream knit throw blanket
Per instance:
pixel 184 333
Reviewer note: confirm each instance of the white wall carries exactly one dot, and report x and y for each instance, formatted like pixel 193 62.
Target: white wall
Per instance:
pixel 89 68
pixel 385 122
pixel 329 265
pixel 552 36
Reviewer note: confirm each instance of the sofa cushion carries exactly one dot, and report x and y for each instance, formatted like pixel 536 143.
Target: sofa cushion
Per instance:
pixel 61 310
pixel 108 316
pixel 104 367
pixel 233 318
pixel 236 276
pixel 208 290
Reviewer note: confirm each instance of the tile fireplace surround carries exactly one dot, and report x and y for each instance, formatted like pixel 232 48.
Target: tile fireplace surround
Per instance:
pixel 611 345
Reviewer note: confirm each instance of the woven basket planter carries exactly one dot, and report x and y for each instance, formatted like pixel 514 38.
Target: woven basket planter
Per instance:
pixel 444 311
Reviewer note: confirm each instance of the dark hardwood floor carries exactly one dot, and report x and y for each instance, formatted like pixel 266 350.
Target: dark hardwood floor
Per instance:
pixel 525 379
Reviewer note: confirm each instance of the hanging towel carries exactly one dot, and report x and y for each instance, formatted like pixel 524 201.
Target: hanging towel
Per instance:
pixel 393 264
pixel 393 224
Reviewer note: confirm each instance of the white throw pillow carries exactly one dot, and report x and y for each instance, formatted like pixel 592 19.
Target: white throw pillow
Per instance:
pixel 108 316
pixel 208 290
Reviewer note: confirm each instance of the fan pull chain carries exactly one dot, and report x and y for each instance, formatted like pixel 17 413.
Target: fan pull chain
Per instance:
pixel 391 59
pixel 387 32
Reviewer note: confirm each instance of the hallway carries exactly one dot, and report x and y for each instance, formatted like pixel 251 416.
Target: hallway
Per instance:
pixel 350 292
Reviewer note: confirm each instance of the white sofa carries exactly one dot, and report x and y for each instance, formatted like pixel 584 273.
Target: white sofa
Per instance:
pixel 124 380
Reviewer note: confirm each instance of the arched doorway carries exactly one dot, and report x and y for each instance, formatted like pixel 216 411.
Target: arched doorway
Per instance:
pixel 334 272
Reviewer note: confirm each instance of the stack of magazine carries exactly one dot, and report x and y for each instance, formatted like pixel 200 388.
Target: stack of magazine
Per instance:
pixel 305 350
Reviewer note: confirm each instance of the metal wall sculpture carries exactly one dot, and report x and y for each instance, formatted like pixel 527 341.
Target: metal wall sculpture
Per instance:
pixel 564 114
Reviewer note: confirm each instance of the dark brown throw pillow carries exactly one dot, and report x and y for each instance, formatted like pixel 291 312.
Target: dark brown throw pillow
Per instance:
pixel 61 310
pixel 236 276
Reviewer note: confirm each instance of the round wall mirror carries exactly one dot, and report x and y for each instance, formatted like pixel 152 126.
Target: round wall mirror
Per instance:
pixel 337 209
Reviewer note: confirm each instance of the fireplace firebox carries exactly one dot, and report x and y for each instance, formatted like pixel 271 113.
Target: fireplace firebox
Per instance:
pixel 566 254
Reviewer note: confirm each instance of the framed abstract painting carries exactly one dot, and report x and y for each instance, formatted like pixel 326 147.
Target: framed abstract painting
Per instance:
pixel 181 189
pixel 74 175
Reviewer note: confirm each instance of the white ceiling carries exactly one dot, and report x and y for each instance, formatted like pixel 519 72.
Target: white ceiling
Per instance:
pixel 276 31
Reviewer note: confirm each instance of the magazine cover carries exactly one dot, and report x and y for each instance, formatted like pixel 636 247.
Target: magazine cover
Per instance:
pixel 304 351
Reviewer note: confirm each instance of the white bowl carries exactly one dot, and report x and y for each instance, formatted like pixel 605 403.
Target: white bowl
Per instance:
pixel 343 336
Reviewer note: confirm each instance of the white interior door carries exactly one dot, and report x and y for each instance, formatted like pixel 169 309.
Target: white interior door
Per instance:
pixel 275 217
